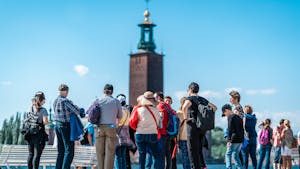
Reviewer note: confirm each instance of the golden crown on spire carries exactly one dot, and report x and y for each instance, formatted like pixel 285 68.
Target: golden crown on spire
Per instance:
pixel 146 14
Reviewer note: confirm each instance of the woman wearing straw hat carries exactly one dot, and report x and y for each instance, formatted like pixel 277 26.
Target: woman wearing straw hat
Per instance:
pixel 145 119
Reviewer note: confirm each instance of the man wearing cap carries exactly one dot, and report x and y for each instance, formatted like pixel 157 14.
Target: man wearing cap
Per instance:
pixel 235 136
pixel 106 136
pixel 63 108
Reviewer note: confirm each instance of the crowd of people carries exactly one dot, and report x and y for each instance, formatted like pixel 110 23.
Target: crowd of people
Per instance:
pixel 121 129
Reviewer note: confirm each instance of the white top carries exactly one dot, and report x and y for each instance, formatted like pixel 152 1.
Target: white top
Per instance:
pixel 146 124
pixel 299 134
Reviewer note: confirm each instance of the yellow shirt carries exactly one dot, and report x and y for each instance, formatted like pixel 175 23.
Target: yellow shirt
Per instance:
pixel 125 117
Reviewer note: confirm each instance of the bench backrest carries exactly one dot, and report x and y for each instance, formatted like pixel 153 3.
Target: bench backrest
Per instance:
pixel 16 155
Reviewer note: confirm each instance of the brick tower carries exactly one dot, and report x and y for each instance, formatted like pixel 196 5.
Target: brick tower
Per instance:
pixel 146 66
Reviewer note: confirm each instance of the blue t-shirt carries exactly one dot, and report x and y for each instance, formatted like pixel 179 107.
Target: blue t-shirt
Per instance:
pixel 91 131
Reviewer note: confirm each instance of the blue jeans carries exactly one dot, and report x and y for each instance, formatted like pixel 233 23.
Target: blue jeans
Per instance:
pixel 264 152
pixel 250 149
pixel 120 159
pixel 185 154
pixel 148 140
pixel 149 158
pixel 277 155
pixel 65 147
pixel 233 151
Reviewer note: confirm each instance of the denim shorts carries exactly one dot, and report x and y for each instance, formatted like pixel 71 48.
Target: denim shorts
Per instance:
pixel 277 155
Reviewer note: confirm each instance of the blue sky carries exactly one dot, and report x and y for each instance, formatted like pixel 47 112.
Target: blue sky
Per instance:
pixel 252 46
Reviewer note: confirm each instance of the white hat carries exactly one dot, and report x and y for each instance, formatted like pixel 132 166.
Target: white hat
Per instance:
pixel 148 99
pixel 121 98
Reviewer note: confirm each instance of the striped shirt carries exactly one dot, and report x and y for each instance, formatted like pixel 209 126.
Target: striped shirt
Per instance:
pixel 63 108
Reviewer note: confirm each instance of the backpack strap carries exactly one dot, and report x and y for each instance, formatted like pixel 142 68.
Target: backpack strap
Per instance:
pixel 158 134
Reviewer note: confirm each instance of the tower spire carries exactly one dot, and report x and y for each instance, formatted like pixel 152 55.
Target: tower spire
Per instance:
pixel 146 41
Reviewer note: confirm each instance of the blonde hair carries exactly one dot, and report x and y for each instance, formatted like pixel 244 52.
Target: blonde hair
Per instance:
pixel 182 100
pixel 287 123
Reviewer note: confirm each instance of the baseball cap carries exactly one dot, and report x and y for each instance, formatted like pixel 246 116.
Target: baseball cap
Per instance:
pixel 226 107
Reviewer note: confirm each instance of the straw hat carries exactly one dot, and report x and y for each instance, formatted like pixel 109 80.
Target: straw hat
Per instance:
pixel 147 99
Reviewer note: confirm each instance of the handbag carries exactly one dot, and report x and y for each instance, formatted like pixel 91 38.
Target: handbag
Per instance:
pixel 124 137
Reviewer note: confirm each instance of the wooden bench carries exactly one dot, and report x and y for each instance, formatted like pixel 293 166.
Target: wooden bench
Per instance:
pixel 16 155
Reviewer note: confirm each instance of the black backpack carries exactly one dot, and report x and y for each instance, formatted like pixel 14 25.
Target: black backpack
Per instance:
pixel 205 115
pixel 30 124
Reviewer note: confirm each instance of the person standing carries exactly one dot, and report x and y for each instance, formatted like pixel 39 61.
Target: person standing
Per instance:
pixel 250 121
pixel 173 139
pixel 298 138
pixel 235 137
pixel 235 99
pixel 165 140
pixel 277 145
pixel 106 135
pixel 195 135
pixel 123 135
pixel 265 141
pixel 286 145
pixel 182 136
pixel 63 108
pixel 145 119
pixel 36 142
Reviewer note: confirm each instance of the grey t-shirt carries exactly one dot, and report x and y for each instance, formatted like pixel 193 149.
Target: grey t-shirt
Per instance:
pixel 42 113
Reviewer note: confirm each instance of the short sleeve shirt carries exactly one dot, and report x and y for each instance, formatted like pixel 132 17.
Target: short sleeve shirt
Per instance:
pixel 42 113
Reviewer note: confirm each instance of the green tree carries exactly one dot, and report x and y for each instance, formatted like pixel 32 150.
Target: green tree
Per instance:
pixel 21 140
pixel 16 128
pixel 9 130
pixel 3 132
pixel 218 143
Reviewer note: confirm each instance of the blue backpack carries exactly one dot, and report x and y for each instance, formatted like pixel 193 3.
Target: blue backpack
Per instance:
pixel 173 122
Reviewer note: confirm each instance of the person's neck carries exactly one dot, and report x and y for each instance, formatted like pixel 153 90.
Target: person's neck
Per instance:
pixel 193 94
pixel 236 104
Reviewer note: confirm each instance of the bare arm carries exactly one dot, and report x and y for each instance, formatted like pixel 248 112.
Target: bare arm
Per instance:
pixel 89 136
pixel 45 120
pixel 298 141
pixel 244 123
pixel 187 104
pixel 213 106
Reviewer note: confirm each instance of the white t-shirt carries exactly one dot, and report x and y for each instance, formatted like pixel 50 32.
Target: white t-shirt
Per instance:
pixel 299 134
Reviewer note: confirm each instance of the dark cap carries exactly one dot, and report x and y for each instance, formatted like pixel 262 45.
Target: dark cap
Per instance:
pixel 226 107
pixel 108 87
pixel 63 87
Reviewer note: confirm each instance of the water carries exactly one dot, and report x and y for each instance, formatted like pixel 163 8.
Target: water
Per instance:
pixel 179 166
